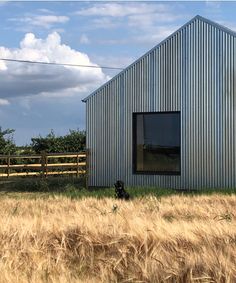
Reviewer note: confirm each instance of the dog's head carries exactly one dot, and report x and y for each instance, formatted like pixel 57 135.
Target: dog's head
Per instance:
pixel 119 184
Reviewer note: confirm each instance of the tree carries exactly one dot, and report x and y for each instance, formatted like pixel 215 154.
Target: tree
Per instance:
pixel 74 141
pixel 7 145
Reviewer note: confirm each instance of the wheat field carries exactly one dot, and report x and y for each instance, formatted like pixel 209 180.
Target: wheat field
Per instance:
pixel 168 239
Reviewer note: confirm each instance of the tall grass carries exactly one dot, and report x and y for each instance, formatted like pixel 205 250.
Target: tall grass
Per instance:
pixel 149 239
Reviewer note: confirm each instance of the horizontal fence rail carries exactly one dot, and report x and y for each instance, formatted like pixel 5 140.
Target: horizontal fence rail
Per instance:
pixel 44 164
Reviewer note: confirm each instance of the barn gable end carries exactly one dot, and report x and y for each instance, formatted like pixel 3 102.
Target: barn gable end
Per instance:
pixel 192 72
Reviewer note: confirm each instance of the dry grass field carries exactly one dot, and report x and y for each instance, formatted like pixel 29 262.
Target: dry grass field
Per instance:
pixel 168 239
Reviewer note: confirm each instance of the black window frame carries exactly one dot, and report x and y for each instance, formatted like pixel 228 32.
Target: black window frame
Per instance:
pixel 134 145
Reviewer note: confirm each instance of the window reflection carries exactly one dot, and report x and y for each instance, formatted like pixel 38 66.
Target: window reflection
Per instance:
pixel 157 143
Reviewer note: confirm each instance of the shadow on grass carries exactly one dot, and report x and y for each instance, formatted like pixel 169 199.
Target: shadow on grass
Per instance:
pixel 74 188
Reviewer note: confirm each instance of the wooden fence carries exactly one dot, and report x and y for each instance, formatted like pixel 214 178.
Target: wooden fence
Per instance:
pixel 44 164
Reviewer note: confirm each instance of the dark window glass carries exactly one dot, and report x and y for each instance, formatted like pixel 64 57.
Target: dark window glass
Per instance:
pixel 157 142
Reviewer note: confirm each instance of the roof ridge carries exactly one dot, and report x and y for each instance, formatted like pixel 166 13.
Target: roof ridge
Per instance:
pixel 220 26
pixel 197 17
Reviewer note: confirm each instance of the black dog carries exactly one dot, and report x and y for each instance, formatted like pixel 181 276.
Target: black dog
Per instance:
pixel 120 191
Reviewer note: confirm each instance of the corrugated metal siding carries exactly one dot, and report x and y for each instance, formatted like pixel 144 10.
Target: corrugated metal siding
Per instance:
pixel 193 72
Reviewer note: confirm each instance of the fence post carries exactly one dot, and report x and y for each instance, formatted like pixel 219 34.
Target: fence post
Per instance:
pixel 8 165
pixel 77 166
pixel 87 153
pixel 46 165
pixel 43 163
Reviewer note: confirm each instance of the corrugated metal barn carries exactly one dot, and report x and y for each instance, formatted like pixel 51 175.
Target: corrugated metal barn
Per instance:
pixel 169 119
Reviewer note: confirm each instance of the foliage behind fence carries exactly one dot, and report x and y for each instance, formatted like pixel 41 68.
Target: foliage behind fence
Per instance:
pixel 44 164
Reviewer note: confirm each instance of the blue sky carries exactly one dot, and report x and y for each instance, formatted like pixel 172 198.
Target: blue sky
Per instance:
pixel 35 99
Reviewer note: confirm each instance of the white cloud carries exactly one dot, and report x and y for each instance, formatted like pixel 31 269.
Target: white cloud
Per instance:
pixel 106 23
pixel 4 102
pixel 84 39
pixel 155 37
pixel 213 4
pixel 120 10
pixel 145 22
pixel 46 11
pixel 20 79
pixel 138 14
pixel 45 21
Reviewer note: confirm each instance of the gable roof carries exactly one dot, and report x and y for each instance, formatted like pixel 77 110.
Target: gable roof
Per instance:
pixel 197 17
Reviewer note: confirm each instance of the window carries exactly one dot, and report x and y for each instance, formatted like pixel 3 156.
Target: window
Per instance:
pixel 157 142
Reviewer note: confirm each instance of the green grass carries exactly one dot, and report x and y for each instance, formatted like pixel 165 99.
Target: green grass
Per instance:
pixel 75 188
pixel 53 184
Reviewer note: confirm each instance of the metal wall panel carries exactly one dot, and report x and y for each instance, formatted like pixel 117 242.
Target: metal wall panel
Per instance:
pixel 192 71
